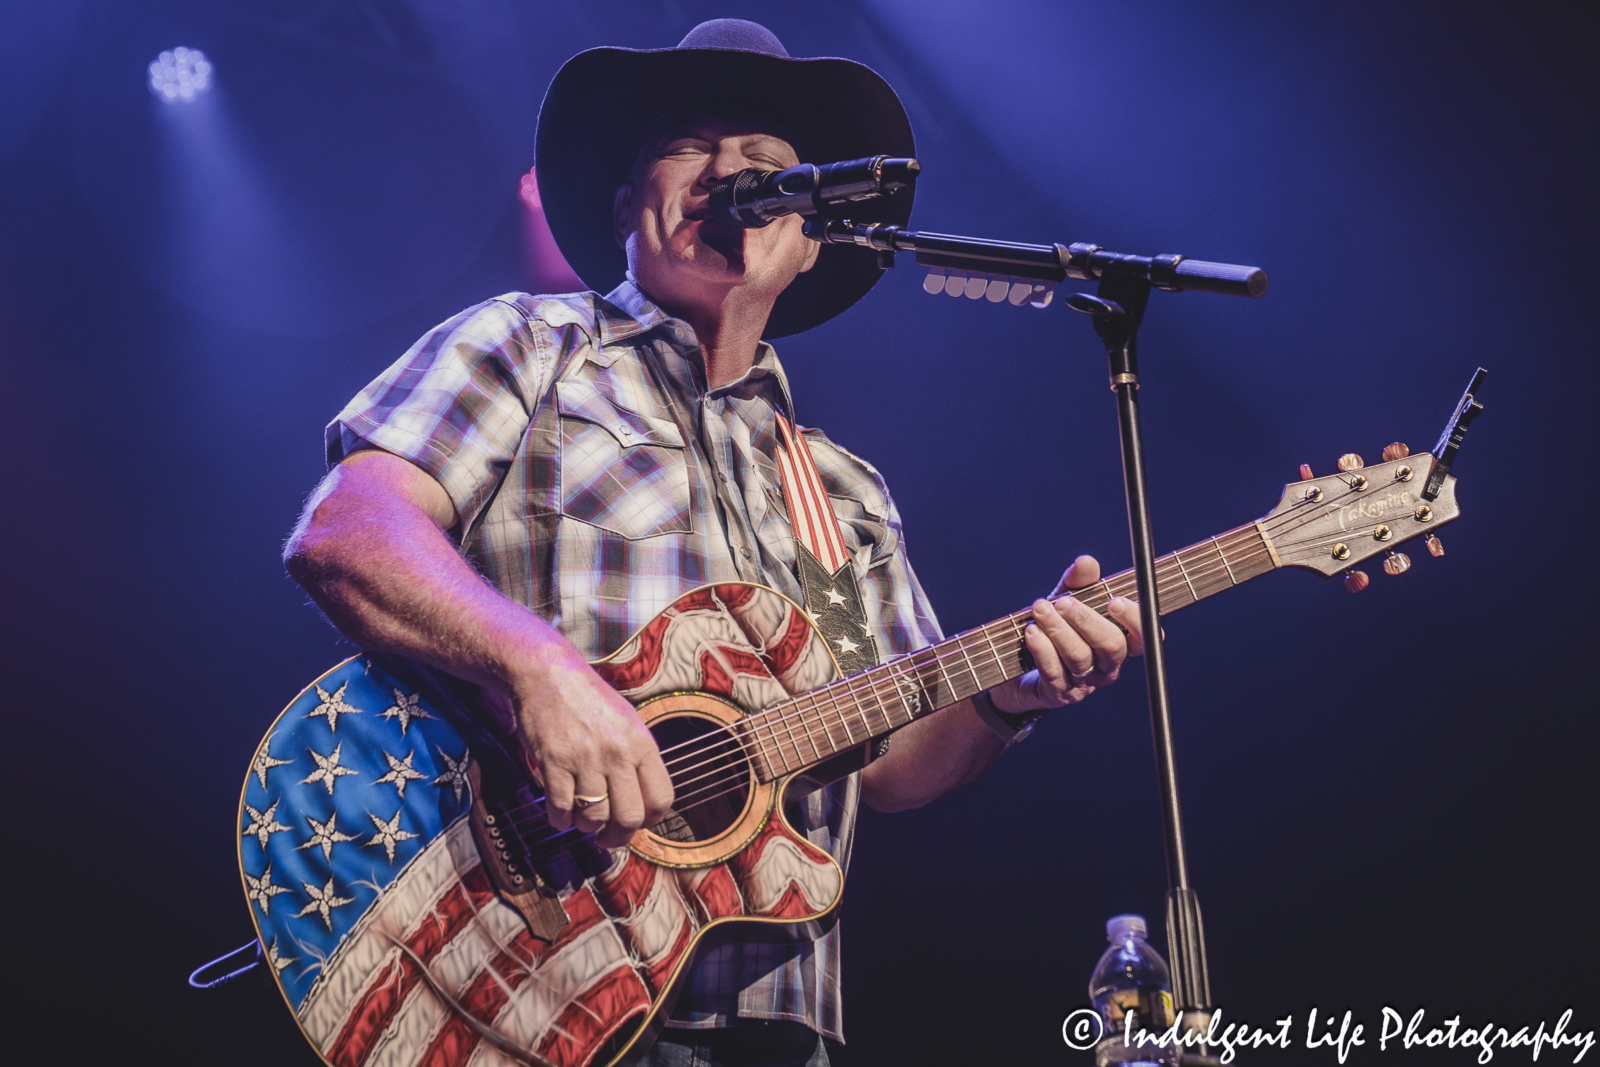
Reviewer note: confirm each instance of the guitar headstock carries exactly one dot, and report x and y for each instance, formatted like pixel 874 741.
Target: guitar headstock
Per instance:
pixel 1331 524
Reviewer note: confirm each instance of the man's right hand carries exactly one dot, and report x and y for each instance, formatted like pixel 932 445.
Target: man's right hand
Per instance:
pixel 371 550
pixel 588 742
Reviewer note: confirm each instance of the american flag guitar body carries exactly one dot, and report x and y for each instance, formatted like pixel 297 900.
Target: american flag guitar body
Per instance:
pixel 414 907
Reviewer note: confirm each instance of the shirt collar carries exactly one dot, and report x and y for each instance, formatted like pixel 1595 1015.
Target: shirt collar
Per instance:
pixel 640 314
pixel 626 312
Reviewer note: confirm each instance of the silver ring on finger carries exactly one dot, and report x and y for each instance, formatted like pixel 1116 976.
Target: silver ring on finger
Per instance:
pixel 581 802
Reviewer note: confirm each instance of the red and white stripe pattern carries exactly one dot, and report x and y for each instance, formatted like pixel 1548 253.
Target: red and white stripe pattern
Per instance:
pixel 809 511
pixel 629 930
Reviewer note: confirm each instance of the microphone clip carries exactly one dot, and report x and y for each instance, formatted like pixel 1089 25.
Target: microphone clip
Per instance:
pixel 753 198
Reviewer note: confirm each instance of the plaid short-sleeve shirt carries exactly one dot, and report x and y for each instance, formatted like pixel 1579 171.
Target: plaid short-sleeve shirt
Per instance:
pixel 597 479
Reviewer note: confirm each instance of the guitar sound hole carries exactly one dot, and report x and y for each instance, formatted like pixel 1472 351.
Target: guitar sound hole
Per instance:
pixel 710 777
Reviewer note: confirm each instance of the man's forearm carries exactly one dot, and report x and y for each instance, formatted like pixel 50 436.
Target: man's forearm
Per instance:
pixel 929 758
pixel 378 564
pixel 372 552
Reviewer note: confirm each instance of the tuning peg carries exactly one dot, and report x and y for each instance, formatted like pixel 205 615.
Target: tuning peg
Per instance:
pixel 1350 462
pixel 1398 450
pixel 1355 581
pixel 1396 563
pixel 1305 472
pixel 1434 547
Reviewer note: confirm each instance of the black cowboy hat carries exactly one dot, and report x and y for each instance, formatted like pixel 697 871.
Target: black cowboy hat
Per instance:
pixel 602 102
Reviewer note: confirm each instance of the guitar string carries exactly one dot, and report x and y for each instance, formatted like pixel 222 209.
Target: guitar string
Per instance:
pixel 969 641
pixel 1294 511
pixel 852 686
pixel 764 720
pixel 945 652
pixel 697 798
pixel 876 683
pixel 723 784
pixel 1204 572
pixel 729 742
pixel 941 656
pixel 937 656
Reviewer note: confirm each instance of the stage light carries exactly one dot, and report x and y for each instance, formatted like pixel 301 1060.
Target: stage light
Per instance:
pixel 180 75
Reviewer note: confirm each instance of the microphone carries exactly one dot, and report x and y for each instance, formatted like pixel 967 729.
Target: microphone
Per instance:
pixel 752 198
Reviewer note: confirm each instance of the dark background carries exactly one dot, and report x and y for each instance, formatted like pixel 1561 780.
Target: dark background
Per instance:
pixel 1388 796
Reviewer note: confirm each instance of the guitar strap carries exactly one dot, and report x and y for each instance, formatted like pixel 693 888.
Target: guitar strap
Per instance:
pixel 827 580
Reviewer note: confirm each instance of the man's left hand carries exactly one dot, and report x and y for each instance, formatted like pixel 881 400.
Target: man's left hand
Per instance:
pixel 1075 649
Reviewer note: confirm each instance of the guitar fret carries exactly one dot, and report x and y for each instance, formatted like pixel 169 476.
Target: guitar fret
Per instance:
pixel 760 730
pixel 805 724
pixel 1220 555
pixel 834 715
pixel 949 694
pixel 814 714
pixel 838 721
pixel 889 696
pixel 852 691
pixel 849 738
pixel 788 726
pixel 925 664
pixel 960 647
pixel 781 761
pixel 884 707
pixel 995 652
pixel 900 690
pixel 819 713
pixel 919 692
pixel 1177 558
pixel 861 706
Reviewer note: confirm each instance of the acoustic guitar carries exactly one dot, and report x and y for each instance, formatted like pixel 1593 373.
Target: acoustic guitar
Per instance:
pixel 414 906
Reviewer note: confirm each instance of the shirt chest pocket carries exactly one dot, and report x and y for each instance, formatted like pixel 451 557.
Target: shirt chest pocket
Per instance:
pixel 861 529
pixel 622 471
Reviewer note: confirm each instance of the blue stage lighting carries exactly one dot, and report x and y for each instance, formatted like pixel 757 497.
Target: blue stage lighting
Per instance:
pixel 180 75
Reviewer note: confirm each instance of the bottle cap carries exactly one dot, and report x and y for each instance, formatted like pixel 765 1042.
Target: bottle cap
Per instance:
pixel 1120 927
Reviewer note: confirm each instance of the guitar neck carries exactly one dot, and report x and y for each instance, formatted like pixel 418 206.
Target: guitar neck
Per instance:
pixel 811 728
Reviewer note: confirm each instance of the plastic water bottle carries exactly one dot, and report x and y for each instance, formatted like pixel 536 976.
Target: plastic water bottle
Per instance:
pixel 1132 978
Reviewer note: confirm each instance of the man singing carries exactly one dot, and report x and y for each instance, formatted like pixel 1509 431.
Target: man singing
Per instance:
pixel 540 475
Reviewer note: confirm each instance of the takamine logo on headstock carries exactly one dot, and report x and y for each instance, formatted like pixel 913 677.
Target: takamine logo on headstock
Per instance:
pixel 1332 523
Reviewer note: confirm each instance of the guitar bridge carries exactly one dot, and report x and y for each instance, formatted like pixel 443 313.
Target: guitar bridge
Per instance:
pixel 503 849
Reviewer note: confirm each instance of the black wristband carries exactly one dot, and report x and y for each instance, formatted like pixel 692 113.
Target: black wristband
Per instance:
pixel 1009 726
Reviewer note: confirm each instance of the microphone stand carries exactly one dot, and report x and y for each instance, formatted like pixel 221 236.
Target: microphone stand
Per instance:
pixel 1029 272
pixel 1117 313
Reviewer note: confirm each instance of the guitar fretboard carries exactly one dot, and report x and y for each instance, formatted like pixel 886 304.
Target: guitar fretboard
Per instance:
pixel 807 729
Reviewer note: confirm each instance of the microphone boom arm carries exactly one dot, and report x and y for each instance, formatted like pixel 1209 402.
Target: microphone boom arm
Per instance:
pixel 1043 263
